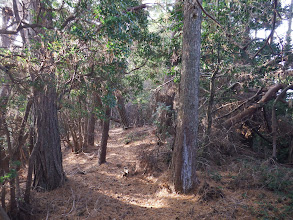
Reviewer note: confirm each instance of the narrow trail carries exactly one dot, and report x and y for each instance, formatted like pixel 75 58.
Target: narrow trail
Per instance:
pixel 101 192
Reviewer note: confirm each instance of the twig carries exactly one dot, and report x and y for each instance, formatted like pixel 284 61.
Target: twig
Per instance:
pixel 137 68
pixel 73 202
pixel 164 84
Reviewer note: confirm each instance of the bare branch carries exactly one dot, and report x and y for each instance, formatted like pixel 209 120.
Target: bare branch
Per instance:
pixel 272 31
pixel 207 14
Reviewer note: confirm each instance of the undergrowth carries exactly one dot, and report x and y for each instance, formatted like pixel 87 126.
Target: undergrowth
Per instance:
pixel 253 174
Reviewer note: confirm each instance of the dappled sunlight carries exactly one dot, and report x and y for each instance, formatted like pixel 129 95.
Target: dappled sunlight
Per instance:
pixel 102 192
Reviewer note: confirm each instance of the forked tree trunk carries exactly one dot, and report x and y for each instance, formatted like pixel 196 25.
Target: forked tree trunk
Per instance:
pixel 184 155
pixel 105 136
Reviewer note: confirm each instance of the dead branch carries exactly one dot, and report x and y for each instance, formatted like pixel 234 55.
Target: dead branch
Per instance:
pixel 253 108
pixel 242 104
pixel 164 84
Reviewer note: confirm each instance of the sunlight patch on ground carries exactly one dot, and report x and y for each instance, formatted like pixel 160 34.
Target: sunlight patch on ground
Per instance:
pixel 147 201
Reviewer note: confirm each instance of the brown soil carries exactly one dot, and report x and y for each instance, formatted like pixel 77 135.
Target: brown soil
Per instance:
pixel 104 192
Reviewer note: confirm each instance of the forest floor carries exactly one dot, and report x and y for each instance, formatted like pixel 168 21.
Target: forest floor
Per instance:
pixel 102 192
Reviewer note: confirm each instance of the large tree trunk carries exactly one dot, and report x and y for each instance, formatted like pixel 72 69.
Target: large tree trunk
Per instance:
pixel 48 162
pixel 48 169
pixel 105 136
pixel 184 155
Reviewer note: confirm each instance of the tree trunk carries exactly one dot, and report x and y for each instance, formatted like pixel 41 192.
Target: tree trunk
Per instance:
pixel 288 45
pixel 211 102
pixel 3 214
pixel 121 109
pixel 97 103
pixel 48 169
pixel 105 135
pixel 184 160
pixel 274 119
pixel 5 93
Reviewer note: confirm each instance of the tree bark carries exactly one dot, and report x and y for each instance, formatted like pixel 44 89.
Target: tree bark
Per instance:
pixel 184 155
pixel 211 102
pixel 105 135
pixel 5 93
pixel 48 169
pixel 274 119
pixel 288 46
pixel 121 109
pixel 3 214
pixel 97 103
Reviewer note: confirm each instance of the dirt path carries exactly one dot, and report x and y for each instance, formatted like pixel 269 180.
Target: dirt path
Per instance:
pixel 101 192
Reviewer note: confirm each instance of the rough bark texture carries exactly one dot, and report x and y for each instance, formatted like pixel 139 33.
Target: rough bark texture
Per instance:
pixel 48 169
pixel 105 135
pixel 184 156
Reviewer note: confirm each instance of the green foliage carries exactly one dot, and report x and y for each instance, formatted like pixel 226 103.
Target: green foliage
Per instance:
pixel 8 176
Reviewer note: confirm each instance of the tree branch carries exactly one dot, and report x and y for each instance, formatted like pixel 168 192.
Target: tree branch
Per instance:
pixel 253 108
pixel 207 14
pixel 272 31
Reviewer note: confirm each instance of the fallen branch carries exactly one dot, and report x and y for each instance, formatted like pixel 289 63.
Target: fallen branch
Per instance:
pixel 253 108
pixel 242 104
